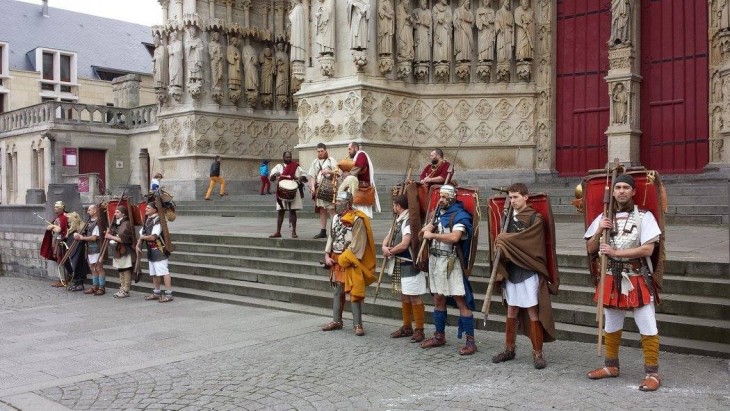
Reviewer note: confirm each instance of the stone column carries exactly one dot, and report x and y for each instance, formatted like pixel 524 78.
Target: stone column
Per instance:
pixel 165 10
pixel 144 168
pixel 126 91
pixel 246 4
pixel 211 9
pixel 545 127
pixel 719 35
pixel 624 84
pixel 178 9
pixel 229 11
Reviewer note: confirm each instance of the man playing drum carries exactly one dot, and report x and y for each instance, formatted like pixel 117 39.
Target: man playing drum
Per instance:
pixel 289 175
pixel 323 184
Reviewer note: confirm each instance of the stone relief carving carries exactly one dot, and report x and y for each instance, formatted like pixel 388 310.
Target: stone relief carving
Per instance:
pixel 352 126
pixel 620 101
pixel 194 49
pixel 202 125
pixel 175 53
pixel 442 21
pixel 236 127
pixel 485 27
pixel 297 31
pixel 544 102
pixel 463 110
pixel 422 21
pixel 524 131
pixel 543 147
pixel 369 128
pixel 324 22
pixel 327 130
pixel 620 23
pixel 352 103
pixel 387 129
pixel 523 109
pixel 404 108
pixel 483 132
pixel 717 93
pixel 267 130
pixel 215 52
pixel 463 132
pixel 369 104
pixel 267 77
pixel 282 76
pixel 305 132
pixel 544 37
pixel 420 110
pixel 188 124
pixel 164 147
pixel 233 57
pixel 385 27
pixel 405 131
pixel 443 133
pixel 202 144
pixel 176 144
pixel 219 126
pixel 358 14
pixel 718 151
pixel 442 110
pixel 504 131
pixel 422 133
pixel 504 109
pixel 483 109
pixel 328 107
pixel 387 107
pixel 544 73
pixel 175 126
pixel 251 74
pixel 237 146
pixel 304 109
pixel 221 145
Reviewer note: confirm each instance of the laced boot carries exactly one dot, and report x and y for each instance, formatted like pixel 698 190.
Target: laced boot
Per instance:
pixel 332 325
pixel 470 347
pixel 537 340
pixel 437 340
pixel 538 359
pixel 510 336
pixel 418 335
pixel 403 331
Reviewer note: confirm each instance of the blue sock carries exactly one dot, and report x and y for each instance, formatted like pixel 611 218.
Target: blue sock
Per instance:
pixel 95 280
pixel 102 281
pixel 439 320
pixel 466 326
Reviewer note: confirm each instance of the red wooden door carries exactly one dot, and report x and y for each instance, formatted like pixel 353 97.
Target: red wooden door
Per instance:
pixel 675 85
pixel 582 103
pixel 93 161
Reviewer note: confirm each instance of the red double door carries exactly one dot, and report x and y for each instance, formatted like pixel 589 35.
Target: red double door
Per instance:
pixel 674 90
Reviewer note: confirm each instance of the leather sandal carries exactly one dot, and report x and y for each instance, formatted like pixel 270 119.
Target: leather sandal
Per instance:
pixel 651 382
pixel 100 291
pixel 418 335
pixel 275 235
pixel 470 347
pixel 539 360
pixel 437 340
pixel 359 331
pixel 57 284
pixel 332 325
pixel 91 290
pixel 604 372
pixel 506 355
pixel 152 296
pixel 402 332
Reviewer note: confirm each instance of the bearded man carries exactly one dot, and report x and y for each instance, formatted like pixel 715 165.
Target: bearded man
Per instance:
pixel 322 176
pixel 288 196
pixel 350 254
pixel 436 171
pixel 365 198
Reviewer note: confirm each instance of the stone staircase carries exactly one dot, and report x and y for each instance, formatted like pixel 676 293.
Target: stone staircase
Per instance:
pixel 690 202
pixel 694 316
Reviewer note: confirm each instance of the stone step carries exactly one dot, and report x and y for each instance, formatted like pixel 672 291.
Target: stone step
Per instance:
pixel 294 299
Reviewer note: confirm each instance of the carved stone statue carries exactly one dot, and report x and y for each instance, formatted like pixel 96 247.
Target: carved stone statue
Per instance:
pixel 422 20
pixel 282 72
pixel 194 51
pixel 385 27
pixel 215 52
pixel 233 56
pixel 325 24
pixel 526 32
pixel 267 76
pixel 175 52
pixel 442 19
pixel 504 28
pixel 159 64
pixel 463 39
pixel 620 22
pixel 404 26
pixel 722 11
pixel 358 14
pixel 297 33
pixel 620 104
pixel 250 71
pixel 485 26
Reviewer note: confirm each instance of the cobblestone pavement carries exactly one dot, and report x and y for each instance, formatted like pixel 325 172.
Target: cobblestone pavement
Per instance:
pixel 63 350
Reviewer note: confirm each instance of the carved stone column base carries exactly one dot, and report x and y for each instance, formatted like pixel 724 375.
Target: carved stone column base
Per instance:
pixel 327 65
pixel 283 101
pixel 503 71
pixel 463 70
pixel 234 95
pixel 297 74
pixel 484 70
pixel 252 97
pixel 524 69
pixel 267 101
pixel 404 69
pixel 161 94
pixel 360 58
pixel 194 89
pixel 176 93
pixel 385 64
pixel 624 144
pixel 421 70
pixel 441 70
pixel 217 94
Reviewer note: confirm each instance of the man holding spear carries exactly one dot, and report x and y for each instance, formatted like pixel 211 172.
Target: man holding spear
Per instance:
pixel 630 236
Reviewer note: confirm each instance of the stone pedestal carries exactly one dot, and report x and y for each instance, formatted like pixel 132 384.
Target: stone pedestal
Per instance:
pixel 126 91
pixel 68 193
pixel 35 196
pixel 624 85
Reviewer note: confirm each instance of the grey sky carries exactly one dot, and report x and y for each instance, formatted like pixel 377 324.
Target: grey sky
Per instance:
pixel 147 12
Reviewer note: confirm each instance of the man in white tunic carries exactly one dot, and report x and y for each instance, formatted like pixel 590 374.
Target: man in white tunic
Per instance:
pixel 287 171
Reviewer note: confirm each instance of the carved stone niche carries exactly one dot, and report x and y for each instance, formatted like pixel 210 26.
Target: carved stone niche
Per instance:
pixel 327 65
pixel 484 71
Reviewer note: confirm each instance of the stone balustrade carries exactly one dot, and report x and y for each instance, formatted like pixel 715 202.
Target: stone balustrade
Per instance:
pixel 54 112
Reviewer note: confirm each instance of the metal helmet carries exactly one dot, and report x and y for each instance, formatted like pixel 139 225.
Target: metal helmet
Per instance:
pixel 343 202
pixel 449 193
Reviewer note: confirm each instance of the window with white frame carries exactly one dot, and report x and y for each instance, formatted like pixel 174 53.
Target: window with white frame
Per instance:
pixel 58 74
pixel 4 76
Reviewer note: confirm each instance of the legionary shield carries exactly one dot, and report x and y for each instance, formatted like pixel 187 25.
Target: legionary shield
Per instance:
pixel 540 202
pixel 649 195
pixel 469 197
